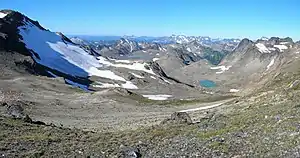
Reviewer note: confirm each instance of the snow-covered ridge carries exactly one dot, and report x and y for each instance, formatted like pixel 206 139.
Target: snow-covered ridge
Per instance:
pixel 2 15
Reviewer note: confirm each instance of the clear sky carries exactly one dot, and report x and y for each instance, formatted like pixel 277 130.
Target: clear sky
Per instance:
pixel 215 18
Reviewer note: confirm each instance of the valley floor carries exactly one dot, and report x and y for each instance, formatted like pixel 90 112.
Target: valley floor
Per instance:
pixel 252 126
pixel 266 123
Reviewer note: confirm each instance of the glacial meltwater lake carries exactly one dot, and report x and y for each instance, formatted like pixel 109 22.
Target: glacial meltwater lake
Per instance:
pixel 207 83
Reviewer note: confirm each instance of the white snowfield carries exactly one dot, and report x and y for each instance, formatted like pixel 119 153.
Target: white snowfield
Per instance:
pixel 133 65
pixel 281 47
pixel 221 68
pixel 57 54
pixel 158 97
pixel 262 48
pixel 2 15
pixel 270 64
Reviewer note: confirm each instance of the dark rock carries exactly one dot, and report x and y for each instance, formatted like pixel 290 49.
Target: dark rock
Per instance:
pixel 129 152
pixel 131 77
pixel 178 118
pixel 16 111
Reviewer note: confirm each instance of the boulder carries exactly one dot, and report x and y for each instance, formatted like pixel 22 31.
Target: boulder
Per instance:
pixel 15 110
pixel 178 118
pixel 129 152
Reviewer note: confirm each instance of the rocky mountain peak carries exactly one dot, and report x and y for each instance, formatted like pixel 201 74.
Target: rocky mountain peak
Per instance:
pixel 245 43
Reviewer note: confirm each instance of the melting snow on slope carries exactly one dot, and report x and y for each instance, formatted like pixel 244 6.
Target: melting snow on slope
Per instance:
pixel 2 15
pixel 234 90
pixel 60 55
pixel 126 85
pixel 262 48
pixel 270 64
pixel 129 85
pixel 221 68
pixel 136 75
pixel 281 47
pixel 153 77
pixel 105 85
pixel 133 66
pixel 121 61
pixel 157 97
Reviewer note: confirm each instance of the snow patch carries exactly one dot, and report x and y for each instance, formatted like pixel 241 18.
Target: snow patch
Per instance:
pixel 262 48
pixel 2 15
pixel 284 42
pixel 129 85
pixel 167 81
pixel 133 66
pixel 189 49
pixel 153 77
pixel 270 64
pixel 155 59
pixel 105 85
pixel 121 61
pixel 297 52
pixel 136 75
pixel 157 97
pixel 221 68
pixel 234 90
pixel 281 47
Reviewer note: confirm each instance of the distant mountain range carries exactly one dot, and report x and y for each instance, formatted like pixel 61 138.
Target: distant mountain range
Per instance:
pixel 162 40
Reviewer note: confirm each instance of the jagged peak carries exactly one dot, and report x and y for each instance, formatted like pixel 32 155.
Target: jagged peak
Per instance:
pixel 19 18
pixel 244 42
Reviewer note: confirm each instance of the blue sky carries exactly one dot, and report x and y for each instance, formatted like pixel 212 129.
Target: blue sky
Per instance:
pixel 215 18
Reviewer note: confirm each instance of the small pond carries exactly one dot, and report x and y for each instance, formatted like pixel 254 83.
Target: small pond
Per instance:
pixel 207 83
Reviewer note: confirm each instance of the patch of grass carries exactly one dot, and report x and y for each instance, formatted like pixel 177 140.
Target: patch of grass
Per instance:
pixel 37 137
pixel 216 132
pixel 220 146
